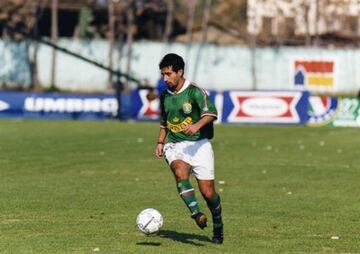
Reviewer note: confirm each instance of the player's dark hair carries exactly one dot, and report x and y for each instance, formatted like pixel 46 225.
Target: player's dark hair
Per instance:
pixel 173 60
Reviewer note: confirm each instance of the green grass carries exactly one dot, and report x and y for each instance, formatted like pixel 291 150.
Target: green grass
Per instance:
pixel 71 187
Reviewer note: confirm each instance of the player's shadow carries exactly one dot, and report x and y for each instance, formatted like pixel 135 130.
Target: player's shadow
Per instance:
pixel 149 243
pixel 184 237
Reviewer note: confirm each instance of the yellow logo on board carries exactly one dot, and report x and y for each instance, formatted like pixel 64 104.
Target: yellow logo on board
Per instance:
pixel 179 127
pixel 175 120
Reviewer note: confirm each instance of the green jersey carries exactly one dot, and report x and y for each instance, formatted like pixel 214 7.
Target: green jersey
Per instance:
pixel 186 107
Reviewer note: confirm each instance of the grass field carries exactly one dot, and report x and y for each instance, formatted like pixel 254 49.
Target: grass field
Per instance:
pixel 77 186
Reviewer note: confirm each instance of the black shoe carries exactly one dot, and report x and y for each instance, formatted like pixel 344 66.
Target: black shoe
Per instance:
pixel 200 219
pixel 218 235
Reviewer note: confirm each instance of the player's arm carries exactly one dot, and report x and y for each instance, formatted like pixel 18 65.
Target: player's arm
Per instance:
pixel 193 128
pixel 163 130
pixel 161 142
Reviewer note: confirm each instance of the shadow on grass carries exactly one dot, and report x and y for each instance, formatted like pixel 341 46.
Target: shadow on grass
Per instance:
pixel 149 243
pixel 184 237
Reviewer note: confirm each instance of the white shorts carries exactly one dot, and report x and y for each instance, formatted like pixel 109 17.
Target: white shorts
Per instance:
pixel 199 154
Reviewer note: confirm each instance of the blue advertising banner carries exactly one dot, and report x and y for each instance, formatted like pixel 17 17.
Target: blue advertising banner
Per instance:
pixel 282 107
pixel 233 106
pixel 57 105
pixel 322 110
pixel 144 109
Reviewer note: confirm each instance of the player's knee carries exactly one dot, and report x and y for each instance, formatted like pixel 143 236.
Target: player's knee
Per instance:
pixel 181 174
pixel 175 165
pixel 208 193
pixel 179 164
pixel 179 177
pixel 181 170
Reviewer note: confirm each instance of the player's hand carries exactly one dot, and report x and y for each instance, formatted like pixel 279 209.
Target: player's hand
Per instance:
pixel 191 129
pixel 159 150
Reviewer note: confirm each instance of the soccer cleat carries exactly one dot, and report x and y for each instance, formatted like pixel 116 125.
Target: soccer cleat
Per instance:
pixel 200 219
pixel 218 235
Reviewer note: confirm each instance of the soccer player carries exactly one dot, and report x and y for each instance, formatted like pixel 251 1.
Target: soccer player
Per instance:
pixel 186 126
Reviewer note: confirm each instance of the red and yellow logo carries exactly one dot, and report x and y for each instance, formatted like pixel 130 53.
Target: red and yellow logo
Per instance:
pixel 314 73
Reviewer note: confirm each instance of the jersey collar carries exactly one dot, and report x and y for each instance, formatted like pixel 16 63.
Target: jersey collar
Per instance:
pixel 186 84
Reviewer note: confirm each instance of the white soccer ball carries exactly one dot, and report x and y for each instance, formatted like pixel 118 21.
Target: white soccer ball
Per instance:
pixel 149 221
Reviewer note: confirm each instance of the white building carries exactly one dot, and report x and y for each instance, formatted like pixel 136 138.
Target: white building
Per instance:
pixel 309 17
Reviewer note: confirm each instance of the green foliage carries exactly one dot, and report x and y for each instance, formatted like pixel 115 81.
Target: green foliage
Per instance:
pixel 86 17
pixel 77 186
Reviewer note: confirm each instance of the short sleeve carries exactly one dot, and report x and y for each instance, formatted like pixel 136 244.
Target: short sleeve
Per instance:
pixel 206 106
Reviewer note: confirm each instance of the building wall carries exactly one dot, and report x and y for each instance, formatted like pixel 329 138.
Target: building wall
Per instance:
pixel 311 17
pixel 219 68
pixel 14 64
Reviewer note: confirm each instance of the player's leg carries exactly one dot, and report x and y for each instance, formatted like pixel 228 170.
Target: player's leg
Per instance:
pixel 181 171
pixel 207 189
pixel 204 172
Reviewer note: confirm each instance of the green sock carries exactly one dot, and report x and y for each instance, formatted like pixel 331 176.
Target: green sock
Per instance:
pixel 215 208
pixel 187 193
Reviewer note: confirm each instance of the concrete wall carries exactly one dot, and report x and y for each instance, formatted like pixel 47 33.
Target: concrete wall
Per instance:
pixel 219 68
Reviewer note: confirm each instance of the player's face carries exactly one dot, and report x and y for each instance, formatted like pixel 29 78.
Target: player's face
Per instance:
pixel 171 77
